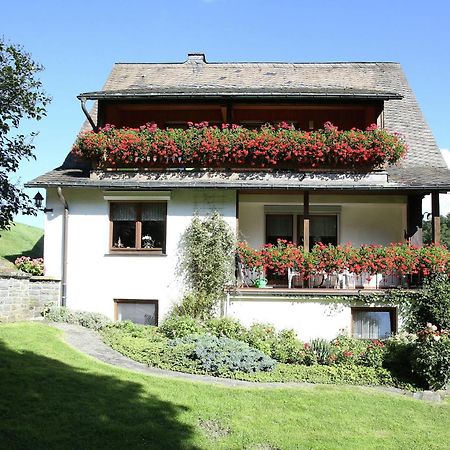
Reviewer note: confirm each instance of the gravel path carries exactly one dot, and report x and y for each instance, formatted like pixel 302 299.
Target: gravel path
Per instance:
pixel 90 343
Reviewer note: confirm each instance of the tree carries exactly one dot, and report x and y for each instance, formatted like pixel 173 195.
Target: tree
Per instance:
pixel 21 97
pixel 445 231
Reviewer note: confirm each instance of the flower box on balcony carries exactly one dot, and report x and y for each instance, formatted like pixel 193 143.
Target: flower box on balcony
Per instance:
pixel 235 147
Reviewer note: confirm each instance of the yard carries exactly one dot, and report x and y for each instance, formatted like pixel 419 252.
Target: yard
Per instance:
pixel 53 397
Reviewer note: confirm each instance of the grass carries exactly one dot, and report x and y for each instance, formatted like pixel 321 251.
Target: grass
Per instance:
pixel 21 240
pixel 53 397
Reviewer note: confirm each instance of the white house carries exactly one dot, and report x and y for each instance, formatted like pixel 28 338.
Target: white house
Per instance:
pixel 113 233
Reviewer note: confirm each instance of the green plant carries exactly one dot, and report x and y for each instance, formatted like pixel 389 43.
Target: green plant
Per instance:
pixel 322 349
pixel 207 261
pixel 86 319
pixel 287 348
pixel 197 305
pixel 219 356
pixel 180 326
pixel 33 266
pixel 398 355
pixel 430 305
pixel 431 358
pixel 225 326
pixel 261 336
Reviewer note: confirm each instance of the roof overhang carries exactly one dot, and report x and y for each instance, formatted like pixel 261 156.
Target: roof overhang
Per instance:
pixel 244 93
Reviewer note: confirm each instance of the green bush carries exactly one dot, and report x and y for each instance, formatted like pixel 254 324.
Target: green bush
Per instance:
pixel 398 355
pixel 86 319
pixel 324 374
pixel 430 305
pixel 225 326
pixel 287 348
pixel 261 336
pixel 322 349
pixel 180 326
pixel 197 305
pixel 431 358
pixel 219 356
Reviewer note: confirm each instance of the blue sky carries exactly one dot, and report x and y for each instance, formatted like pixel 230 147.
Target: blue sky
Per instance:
pixel 78 42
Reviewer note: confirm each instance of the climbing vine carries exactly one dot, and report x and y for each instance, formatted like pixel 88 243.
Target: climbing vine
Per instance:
pixel 206 261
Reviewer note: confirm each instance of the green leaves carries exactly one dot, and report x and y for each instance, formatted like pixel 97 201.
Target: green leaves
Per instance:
pixel 21 96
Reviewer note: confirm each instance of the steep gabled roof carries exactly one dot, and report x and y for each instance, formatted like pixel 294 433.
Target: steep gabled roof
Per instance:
pixel 359 80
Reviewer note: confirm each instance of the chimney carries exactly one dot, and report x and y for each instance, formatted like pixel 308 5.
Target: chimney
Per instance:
pixel 196 58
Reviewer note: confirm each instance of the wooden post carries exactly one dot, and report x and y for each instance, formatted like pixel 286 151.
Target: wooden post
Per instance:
pixel 435 218
pixel 414 219
pixel 306 221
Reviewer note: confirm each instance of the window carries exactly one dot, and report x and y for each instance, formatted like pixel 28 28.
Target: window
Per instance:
pixel 279 226
pixel 143 312
pixel 373 323
pixel 322 228
pixel 138 226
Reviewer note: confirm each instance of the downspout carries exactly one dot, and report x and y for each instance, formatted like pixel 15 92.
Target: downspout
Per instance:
pixel 64 248
pixel 86 113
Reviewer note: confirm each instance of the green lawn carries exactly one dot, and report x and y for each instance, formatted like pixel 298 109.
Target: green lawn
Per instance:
pixel 21 240
pixel 53 397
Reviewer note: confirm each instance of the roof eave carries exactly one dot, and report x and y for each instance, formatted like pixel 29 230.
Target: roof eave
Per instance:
pixel 242 95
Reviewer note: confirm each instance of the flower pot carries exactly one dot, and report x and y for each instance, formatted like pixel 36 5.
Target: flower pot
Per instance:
pixel 261 282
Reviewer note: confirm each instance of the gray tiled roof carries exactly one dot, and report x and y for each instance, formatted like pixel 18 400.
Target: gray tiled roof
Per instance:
pixel 382 79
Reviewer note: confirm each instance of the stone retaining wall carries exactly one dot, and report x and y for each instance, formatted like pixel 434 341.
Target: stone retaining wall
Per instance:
pixel 23 296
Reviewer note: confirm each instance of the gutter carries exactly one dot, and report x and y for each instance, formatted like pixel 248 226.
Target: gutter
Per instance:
pixel 63 299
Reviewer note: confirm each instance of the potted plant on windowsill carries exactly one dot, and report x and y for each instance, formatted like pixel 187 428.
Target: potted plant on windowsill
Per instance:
pixel 260 282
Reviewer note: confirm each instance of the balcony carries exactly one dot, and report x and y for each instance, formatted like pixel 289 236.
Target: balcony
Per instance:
pixel 234 147
pixel 340 268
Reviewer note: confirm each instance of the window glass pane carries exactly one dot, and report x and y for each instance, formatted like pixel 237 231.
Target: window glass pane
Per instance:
pixel 124 234
pixel 153 211
pixel 371 324
pixel 123 211
pixel 153 233
pixel 278 227
pixel 321 229
pixel 141 313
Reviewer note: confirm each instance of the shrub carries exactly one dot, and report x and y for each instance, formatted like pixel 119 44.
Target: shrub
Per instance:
pixel 206 262
pixel 261 336
pixel 430 305
pixel 373 356
pixel 431 358
pixel 365 352
pixel 220 356
pixel 322 349
pixel 329 374
pixel 31 266
pixel 225 326
pixel 180 326
pixel 86 319
pixel 197 305
pixel 287 348
pixel 398 357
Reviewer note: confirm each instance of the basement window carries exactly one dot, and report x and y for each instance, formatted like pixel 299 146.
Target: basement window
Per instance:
pixel 143 312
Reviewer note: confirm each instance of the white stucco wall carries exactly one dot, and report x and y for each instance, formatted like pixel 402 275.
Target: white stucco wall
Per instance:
pixel 96 277
pixel 309 318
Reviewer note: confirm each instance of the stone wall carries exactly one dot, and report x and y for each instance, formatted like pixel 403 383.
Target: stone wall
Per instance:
pixel 23 297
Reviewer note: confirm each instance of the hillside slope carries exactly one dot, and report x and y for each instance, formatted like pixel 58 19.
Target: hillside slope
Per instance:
pixel 22 240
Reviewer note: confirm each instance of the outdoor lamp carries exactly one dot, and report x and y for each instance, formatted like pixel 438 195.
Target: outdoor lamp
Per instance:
pixel 38 203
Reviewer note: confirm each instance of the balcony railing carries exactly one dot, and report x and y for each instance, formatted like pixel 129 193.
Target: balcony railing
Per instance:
pixel 232 146
pixel 342 266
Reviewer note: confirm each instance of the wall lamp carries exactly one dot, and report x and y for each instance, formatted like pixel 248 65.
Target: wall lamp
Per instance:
pixel 38 203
